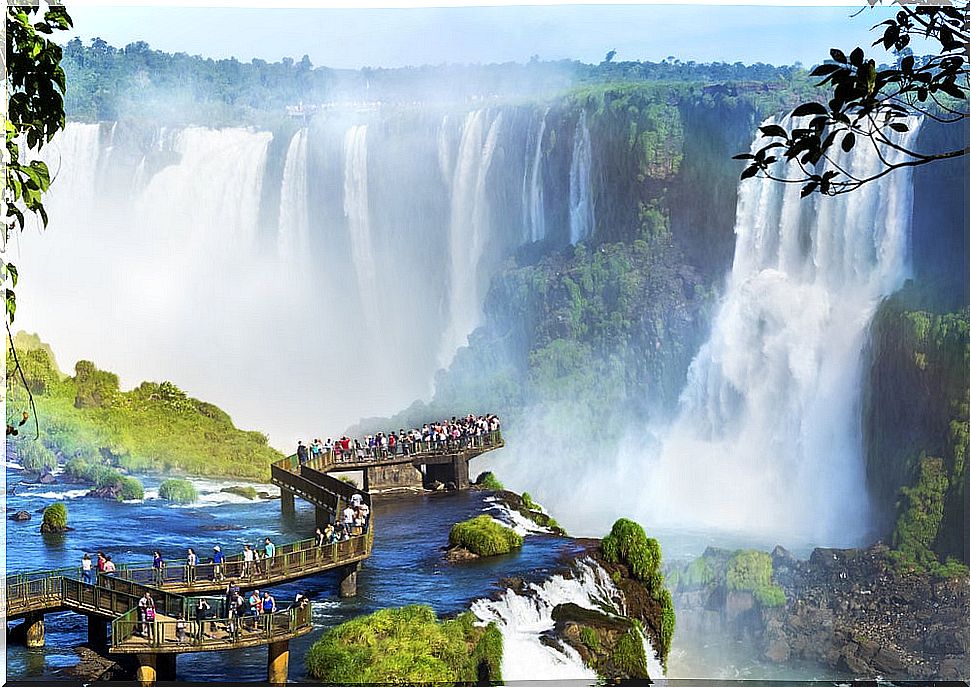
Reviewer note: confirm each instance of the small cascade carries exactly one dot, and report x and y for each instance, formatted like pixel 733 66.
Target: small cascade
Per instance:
pixel 523 618
pixel 294 216
pixel 581 212
pixel 357 212
pixel 533 207
pixel 469 228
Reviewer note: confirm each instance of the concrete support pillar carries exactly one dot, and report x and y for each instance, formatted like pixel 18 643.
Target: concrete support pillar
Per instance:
pixel 287 505
pixel 34 630
pixel 366 479
pixel 278 662
pixel 165 666
pixel 348 580
pixel 323 517
pixel 146 675
pixel 460 471
pixel 97 633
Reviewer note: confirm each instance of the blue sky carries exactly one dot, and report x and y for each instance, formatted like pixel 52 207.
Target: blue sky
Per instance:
pixel 352 38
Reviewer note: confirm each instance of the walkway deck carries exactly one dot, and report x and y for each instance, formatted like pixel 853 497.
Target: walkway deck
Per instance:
pixel 115 596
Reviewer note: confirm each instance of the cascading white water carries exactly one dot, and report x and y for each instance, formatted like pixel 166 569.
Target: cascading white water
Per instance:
pixel 768 436
pixel 468 232
pixel 534 209
pixel 581 211
pixel 522 618
pixel 357 211
pixel 294 217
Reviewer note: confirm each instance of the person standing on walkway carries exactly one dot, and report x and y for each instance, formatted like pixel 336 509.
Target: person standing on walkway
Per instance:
pixel 301 452
pixel 86 576
pixel 248 560
pixel 157 565
pixel 201 613
pixel 269 551
pixel 191 560
pixel 217 562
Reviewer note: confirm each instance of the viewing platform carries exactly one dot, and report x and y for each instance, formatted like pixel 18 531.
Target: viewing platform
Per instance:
pixel 176 589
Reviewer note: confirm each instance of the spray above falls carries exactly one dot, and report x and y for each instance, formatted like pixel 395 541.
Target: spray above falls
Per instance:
pixel 768 436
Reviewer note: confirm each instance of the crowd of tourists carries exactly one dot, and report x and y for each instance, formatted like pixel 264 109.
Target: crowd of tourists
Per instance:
pixel 458 433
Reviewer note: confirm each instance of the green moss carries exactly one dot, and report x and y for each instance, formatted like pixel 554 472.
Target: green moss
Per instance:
pixel 748 570
pixel 921 512
pixel 131 490
pixel 628 655
pixel 407 645
pixel 55 516
pixel 246 492
pixel 528 502
pixel 34 456
pixel 488 480
pixel 628 543
pixel 588 637
pixel 178 490
pixel 770 596
pixel 668 623
pixel 485 536
pixel 698 573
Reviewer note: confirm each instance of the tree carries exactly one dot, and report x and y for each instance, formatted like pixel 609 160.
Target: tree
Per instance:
pixel 35 113
pixel 872 106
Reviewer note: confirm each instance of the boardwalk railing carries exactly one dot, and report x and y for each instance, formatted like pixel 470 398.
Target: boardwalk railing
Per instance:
pixel 129 633
pixel 417 451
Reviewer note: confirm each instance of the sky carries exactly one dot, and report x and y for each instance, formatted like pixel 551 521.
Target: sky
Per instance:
pixel 394 37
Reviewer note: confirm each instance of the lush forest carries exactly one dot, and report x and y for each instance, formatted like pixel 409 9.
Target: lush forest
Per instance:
pixel 109 83
pixel 97 429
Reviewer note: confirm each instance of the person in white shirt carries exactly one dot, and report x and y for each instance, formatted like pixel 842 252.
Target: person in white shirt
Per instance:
pixel 248 558
pixel 348 519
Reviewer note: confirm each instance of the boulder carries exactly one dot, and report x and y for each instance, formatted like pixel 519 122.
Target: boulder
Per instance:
pixel 20 516
pixel 435 485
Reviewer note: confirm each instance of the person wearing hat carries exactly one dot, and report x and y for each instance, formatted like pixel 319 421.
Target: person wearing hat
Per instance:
pixel 217 560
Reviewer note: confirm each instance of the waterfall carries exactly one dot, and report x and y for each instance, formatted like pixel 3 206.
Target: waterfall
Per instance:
pixel 523 618
pixel 469 228
pixel 581 213
pixel 534 206
pixel 768 437
pixel 357 211
pixel 294 216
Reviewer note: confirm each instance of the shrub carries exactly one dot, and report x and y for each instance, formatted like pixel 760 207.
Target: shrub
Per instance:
pixel 485 536
pixel 770 596
pixel 34 456
pixel 751 571
pixel 529 503
pixel 131 490
pixel 698 573
pixel 488 480
pixel 348 480
pixel 55 517
pixel 588 637
pixel 407 645
pixel 628 655
pixel 178 490
pixel 628 543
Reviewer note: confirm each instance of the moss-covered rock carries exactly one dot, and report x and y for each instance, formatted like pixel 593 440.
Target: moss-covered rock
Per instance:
pixel 611 645
pixel 633 561
pixel 484 536
pixel 178 490
pixel 55 519
pixel 405 646
pixel 488 480
pixel 246 492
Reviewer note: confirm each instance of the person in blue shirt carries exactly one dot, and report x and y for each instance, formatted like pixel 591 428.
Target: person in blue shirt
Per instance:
pixel 217 561
pixel 157 565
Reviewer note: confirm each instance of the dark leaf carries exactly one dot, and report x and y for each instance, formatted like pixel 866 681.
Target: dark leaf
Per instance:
pixel 774 130
pixel 848 141
pixel 806 109
pixel 749 172
pixel 837 55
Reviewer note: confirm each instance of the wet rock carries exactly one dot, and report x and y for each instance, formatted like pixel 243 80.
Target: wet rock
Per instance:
pixel 20 516
pixel 111 492
pixel 460 554
pixel 93 667
pixel 451 486
pixel 435 485
pixel 221 527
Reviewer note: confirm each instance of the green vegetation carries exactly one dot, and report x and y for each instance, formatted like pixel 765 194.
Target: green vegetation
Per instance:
pixel 628 543
pixel 348 480
pixel 488 480
pixel 921 372
pixel 155 427
pixel 178 490
pixel 34 456
pixel 588 637
pixel 407 645
pixel 55 517
pixel 131 490
pixel 246 492
pixel 484 536
pixel 529 503
pixel 751 571
pixel 629 656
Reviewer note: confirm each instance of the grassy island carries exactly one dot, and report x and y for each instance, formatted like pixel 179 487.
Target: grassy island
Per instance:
pixel 407 645
pixel 178 490
pixel 155 427
pixel 484 536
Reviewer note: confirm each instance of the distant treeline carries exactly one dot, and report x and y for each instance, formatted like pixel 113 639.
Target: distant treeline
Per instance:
pixel 108 83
